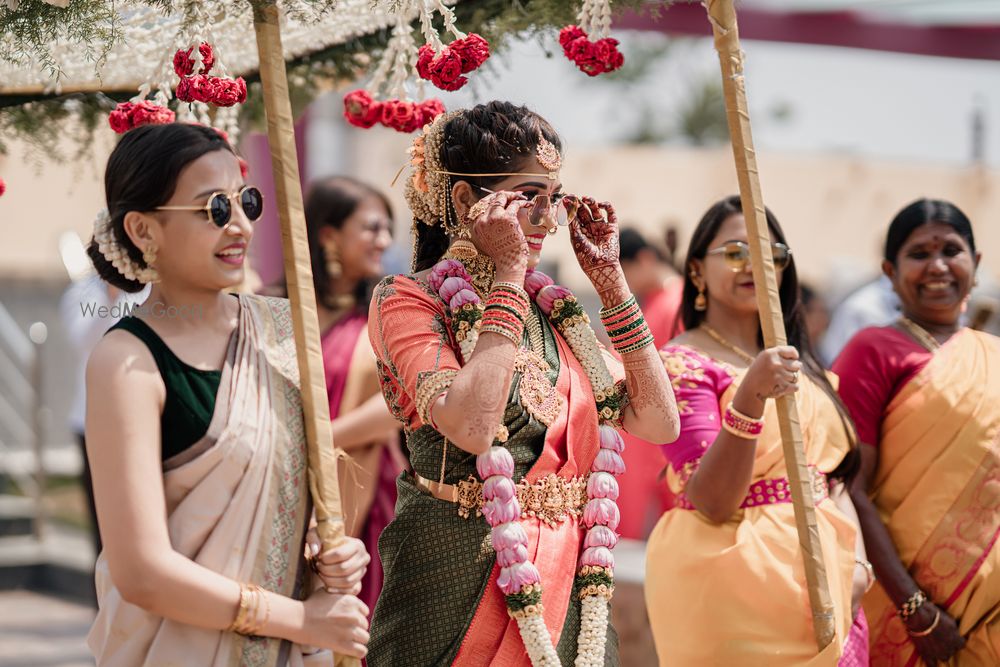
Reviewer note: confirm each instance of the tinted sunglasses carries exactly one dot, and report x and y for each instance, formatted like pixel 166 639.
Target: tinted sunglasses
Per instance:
pixel 219 208
pixel 736 255
pixel 543 206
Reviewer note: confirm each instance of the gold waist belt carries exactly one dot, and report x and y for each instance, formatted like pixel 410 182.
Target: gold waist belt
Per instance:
pixel 550 499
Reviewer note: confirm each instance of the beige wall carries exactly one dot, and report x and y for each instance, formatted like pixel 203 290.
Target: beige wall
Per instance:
pixel 834 208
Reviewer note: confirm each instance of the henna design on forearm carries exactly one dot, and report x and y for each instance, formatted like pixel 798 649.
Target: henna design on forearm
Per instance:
pixel 649 391
pixel 483 389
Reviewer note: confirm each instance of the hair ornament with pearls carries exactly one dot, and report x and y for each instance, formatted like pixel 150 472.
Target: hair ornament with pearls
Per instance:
pixel 118 256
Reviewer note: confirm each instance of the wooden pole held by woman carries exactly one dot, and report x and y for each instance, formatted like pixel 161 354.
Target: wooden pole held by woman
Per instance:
pixel 722 15
pixel 323 483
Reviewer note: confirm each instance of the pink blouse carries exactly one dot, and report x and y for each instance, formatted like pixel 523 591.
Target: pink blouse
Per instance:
pixel 873 367
pixel 698 382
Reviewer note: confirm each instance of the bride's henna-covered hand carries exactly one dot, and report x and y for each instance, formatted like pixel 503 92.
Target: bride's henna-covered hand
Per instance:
pixel 497 232
pixel 594 233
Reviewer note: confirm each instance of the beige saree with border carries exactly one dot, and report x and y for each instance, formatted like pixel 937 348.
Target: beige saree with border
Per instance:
pixel 937 489
pixel 237 504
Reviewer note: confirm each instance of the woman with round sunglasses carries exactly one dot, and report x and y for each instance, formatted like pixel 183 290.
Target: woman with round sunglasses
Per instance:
pixel 195 431
pixel 500 551
pixel 925 395
pixel 725 583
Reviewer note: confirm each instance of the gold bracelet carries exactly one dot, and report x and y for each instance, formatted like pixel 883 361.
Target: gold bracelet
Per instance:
pixel 911 605
pixel 261 601
pixel 924 633
pixel 869 571
pixel 241 612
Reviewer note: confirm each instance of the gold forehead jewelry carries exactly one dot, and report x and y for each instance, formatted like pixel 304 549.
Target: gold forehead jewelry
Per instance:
pixel 547 154
pixel 551 175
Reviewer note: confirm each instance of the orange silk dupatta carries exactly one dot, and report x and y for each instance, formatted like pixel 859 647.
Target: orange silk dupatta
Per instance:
pixel 937 488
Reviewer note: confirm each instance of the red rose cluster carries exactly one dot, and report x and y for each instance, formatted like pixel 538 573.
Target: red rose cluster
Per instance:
pixel 593 58
pixel 201 87
pixel 184 63
pixel 361 110
pixel 445 69
pixel 128 115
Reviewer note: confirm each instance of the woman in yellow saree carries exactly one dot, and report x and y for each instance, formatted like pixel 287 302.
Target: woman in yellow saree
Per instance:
pixel 925 394
pixel 725 581
pixel 195 431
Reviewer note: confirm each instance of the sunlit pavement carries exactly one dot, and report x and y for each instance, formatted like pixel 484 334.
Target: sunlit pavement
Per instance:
pixel 43 631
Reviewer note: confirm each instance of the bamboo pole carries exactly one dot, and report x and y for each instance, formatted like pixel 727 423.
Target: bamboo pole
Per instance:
pixel 722 15
pixel 323 484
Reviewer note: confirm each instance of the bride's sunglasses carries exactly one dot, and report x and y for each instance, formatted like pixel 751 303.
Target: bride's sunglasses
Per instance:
pixel 219 208
pixel 541 206
pixel 736 255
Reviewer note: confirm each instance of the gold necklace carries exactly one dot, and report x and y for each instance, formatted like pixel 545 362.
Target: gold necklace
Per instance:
pixel 717 337
pixel 926 340
pixel 536 340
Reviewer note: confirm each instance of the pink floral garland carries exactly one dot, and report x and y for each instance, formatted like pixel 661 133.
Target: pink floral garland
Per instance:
pixel 519 579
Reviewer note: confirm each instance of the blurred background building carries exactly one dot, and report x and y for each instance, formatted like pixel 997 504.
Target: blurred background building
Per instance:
pixel 855 113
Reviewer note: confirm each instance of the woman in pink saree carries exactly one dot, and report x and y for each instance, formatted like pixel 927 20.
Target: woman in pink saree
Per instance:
pixel 350 226
pixel 195 432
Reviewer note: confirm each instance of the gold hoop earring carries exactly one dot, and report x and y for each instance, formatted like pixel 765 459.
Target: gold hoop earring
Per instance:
pixel 334 268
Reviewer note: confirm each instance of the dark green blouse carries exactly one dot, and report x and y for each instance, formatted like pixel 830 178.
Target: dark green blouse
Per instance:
pixel 190 401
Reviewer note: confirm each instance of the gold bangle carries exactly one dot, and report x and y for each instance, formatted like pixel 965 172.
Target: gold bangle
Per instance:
pixel 924 633
pixel 241 612
pixel 869 571
pixel 261 600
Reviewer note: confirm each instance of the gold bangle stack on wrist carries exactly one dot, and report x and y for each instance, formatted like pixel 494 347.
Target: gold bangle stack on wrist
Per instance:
pixel 249 620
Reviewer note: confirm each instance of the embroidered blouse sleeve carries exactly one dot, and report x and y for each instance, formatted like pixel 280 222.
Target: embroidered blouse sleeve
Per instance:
pixel 413 348
pixel 698 383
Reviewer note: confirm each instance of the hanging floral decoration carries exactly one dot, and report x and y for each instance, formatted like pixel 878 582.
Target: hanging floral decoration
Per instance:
pixel 128 115
pixel 587 44
pixel 443 65
pixel 201 87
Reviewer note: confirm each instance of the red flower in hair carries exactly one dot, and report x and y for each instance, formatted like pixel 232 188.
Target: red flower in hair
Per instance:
pixel 361 110
pixel 474 51
pixel 184 63
pixel 446 70
pixel 119 118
